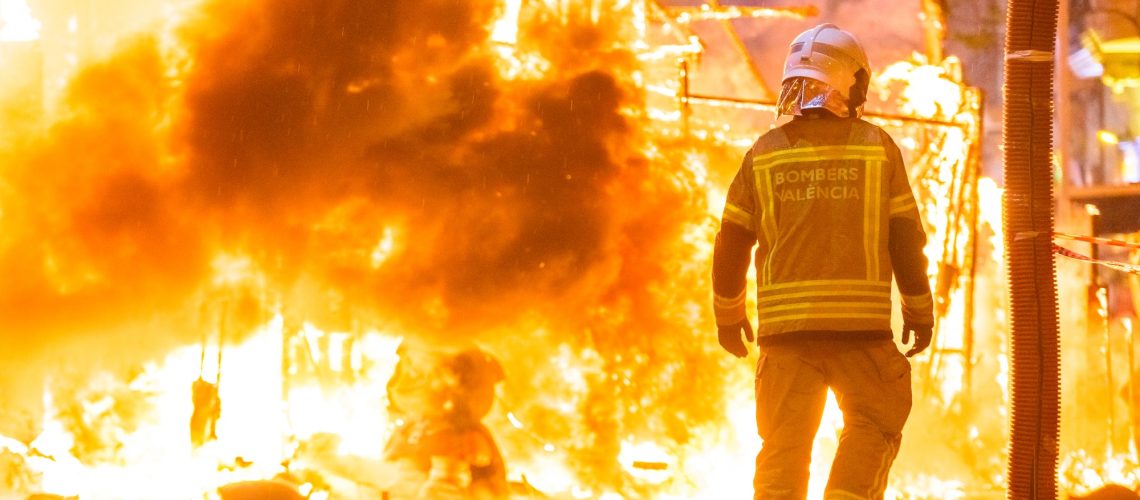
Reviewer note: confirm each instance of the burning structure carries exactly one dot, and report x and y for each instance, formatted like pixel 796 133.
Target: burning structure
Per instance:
pixel 270 198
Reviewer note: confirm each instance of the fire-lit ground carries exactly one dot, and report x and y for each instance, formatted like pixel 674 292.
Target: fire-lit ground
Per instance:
pixel 276 196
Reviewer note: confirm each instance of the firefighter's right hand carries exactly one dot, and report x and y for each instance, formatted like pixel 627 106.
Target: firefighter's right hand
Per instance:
pixel 922 336
pixel 730 337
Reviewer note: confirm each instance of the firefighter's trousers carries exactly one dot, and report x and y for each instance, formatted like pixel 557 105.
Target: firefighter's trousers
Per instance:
pixel 871 381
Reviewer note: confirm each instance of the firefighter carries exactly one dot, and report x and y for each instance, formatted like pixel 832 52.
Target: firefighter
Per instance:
pixel 826 201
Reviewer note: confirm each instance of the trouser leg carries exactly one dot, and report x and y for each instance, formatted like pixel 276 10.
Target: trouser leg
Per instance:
pixel 872 386
pixel 790 395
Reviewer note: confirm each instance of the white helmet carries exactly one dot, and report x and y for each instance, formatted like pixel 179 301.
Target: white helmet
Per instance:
pixel 832 56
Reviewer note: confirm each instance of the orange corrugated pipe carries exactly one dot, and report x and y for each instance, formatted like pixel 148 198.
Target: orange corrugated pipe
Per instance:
pixel 1034 340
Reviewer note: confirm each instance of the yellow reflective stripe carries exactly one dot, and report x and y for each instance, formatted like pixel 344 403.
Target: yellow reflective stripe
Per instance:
pixel 730 301
pixel 823 283
pixel 767 222
pixel 730 315
pixel 826 293
pixel 871 202
pixel 730 310
pixel 819 151
pixel 737 215
pixel 917 308
pixel 880 484
pixel 794 317
pixel 842 495
pixel 902 209
pixel 827 305
pixel 811 158
pixel 868 204
pixel 902 203
pixel 900 199
pixel 917 301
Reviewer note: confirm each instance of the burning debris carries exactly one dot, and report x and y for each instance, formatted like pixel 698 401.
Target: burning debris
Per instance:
pixel 388 175
pixel 442 406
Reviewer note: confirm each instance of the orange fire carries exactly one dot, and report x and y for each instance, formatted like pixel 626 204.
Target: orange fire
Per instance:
pixel 273 197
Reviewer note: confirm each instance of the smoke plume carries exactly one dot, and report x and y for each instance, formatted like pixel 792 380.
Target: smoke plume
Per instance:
pixel 296 137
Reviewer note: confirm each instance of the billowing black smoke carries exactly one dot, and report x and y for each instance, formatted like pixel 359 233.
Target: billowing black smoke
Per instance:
pixel 311 128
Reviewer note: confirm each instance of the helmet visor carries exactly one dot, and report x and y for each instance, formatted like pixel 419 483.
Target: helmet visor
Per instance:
pixel 801 93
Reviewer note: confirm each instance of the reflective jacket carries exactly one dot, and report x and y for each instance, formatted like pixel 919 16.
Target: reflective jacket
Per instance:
pixel 829 206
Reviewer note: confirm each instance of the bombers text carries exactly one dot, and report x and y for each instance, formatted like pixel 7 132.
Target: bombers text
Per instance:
pixel 840 186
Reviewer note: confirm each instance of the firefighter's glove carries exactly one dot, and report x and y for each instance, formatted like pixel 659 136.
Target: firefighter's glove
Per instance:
pixel 922 336
pixel 730 337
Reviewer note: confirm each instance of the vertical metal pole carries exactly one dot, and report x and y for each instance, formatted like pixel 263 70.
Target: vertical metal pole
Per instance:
pixel 1034 330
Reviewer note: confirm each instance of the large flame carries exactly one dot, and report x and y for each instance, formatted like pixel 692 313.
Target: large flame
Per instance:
pixel 17 23
pixel 275 194
pixel 390 175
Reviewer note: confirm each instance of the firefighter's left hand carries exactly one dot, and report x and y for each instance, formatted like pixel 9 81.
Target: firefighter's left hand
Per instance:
pixel 729 337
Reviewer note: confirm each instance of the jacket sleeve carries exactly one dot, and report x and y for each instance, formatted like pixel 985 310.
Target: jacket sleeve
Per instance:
pixel 732 252
pixel 906 244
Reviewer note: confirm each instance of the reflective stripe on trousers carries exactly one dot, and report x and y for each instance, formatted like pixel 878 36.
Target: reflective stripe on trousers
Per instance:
pixel 871 381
